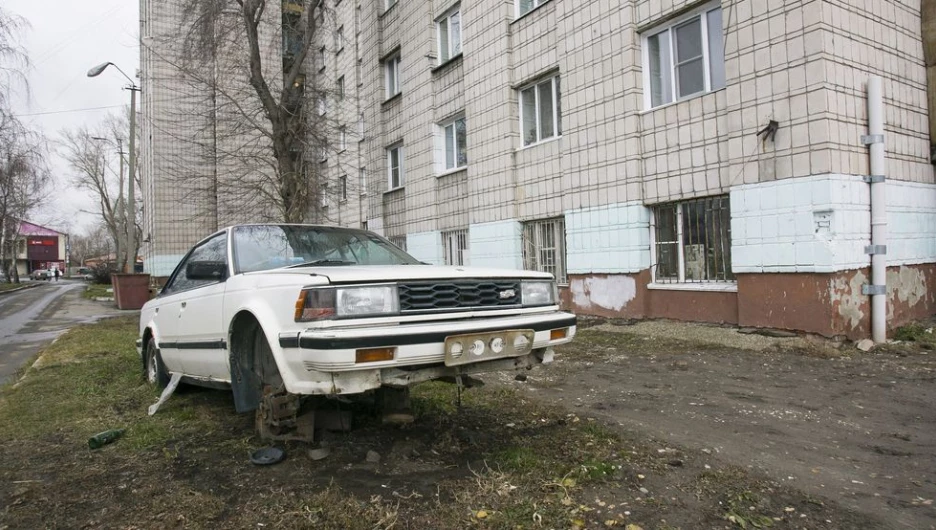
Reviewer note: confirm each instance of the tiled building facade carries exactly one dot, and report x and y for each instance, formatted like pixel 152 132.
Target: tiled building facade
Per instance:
pixel 615 144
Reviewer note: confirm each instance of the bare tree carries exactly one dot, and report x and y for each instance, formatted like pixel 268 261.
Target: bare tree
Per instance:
pixel 24 177
pixel 24 181
pixel 95 156
pixel 95 242
pixel 262 136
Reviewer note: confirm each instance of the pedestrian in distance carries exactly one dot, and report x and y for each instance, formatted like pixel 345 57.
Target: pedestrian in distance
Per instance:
pixel 55 272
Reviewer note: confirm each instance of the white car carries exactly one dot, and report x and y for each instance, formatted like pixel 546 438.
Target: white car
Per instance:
pixel 319 310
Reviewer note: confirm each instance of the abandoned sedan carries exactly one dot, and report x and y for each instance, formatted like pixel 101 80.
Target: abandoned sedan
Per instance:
pixel 293 310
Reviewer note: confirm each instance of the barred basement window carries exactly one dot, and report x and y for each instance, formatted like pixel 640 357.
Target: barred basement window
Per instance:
pixel 544 247
pixel 455 247
pixel 692 241
pixel 399 241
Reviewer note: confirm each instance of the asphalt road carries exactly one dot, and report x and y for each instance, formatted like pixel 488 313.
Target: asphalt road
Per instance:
pixel 32 318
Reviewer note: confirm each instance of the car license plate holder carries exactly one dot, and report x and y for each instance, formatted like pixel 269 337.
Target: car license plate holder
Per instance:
pixel 478 347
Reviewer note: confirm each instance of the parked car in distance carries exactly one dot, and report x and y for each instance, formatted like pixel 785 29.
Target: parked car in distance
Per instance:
pixel 40 274
pixel 320 310
pixel 84 273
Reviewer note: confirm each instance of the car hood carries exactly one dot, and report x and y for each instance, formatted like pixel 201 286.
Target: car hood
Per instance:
pixel 375 273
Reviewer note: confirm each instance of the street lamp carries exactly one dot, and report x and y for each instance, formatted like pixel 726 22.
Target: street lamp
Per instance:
pixel 130 204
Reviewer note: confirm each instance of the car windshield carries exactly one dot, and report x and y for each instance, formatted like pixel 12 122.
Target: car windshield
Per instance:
pixel 263 247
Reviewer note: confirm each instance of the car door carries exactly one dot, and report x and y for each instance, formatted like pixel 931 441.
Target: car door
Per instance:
pixel 202 337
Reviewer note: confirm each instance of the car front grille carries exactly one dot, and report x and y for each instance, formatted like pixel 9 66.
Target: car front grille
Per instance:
pixel 461 294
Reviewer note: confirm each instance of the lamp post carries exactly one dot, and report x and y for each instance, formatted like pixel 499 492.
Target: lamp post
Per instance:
pixel 130 204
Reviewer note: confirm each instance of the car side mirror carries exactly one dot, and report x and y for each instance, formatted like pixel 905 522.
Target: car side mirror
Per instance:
pixel 206 270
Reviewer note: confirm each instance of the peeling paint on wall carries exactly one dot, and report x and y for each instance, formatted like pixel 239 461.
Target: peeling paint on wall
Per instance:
pixel 907 286
pixel 613 292
pixel 847 299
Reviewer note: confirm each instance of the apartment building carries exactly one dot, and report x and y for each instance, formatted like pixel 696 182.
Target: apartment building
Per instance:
pixel 663 159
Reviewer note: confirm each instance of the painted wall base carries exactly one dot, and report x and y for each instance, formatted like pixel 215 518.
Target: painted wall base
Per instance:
pixel 829 304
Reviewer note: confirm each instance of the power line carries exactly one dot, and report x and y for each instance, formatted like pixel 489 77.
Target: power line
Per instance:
pixel 66 111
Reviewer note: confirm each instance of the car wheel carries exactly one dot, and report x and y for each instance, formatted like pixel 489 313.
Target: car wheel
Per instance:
pixel 155 370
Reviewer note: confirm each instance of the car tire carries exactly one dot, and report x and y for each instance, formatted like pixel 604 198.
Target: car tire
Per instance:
pixel 155 370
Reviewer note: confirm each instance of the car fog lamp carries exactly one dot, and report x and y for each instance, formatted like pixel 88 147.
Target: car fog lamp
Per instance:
pixel 456 350
pixel 497 344
pixel 477 347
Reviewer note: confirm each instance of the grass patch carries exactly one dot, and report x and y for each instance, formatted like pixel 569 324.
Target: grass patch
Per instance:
pixel 98 290
pixel 503 459
pixel 7 286
pixel 916 332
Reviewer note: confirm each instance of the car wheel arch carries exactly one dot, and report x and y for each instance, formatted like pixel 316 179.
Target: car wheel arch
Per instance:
pixel 242 335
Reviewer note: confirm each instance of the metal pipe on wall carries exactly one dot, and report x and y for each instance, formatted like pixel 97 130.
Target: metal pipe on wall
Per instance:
pixel 878 248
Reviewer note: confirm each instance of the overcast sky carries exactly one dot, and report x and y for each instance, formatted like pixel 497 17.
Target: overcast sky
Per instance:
pixel 64 40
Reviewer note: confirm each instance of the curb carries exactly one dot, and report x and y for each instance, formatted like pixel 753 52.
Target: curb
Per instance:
pixel 22 287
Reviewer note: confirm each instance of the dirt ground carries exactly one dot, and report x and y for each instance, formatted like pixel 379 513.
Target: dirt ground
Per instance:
pixel 857 429
pixel 629 428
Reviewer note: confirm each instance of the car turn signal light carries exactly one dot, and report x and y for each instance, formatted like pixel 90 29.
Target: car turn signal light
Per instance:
pixel 372 355
pixel 557 334
pixel 315 304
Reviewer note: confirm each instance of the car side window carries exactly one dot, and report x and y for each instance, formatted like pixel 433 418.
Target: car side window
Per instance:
pixel 213 251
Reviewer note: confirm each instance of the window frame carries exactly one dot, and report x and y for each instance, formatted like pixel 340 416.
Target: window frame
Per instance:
pixel 444 127
pixel 536 4
pixel 392 65
pixel 340 88
pixel 342 139
pixel 532 233
pixel 339 39
pixel 702 14
pixel 343 188
pixel 323 57
pixel 448 46
pixel 389 4
pixel 555 87
pixel 680 281
pixel 401 167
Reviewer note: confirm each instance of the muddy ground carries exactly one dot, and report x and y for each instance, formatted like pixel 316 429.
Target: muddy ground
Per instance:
pixel 629 427
pixel 855 428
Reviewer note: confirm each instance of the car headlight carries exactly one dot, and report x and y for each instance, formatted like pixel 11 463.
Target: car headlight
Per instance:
pixel 343 302
pixel 535 293
pixel 365 301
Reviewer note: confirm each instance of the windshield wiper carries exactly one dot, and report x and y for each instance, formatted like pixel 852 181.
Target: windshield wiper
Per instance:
pixel 322 262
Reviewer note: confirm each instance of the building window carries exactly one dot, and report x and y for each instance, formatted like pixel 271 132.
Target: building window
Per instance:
pixel 339 40
pixel 540 111
pixel 388 4
pixel 455 247
pixel 684 58
pixel 339 88
pixel 392 70
pixel 449 27
pixel 360 127
pixel 322 59
pixel 399 241
pixel 322 105
pixel 525 6
pixel 455 136
pixel 692 241
pixel 343 188
pixel 342 139
pixel 544 247
pixel 395 167
pixel 362 180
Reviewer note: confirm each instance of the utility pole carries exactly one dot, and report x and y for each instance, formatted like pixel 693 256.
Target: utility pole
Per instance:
pixel 131 199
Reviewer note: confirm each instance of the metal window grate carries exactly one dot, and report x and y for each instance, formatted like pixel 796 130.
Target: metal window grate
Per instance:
pixel 455 247
pixel 693 241
pixel 544 247
pixel 399 241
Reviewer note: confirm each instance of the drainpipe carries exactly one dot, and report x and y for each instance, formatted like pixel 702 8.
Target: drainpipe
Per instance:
pixel 878 248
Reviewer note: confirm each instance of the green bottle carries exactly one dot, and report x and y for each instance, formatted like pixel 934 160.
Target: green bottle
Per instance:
pixel 103 438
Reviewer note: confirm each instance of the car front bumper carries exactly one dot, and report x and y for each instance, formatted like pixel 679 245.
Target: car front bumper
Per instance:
pixel 323 361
